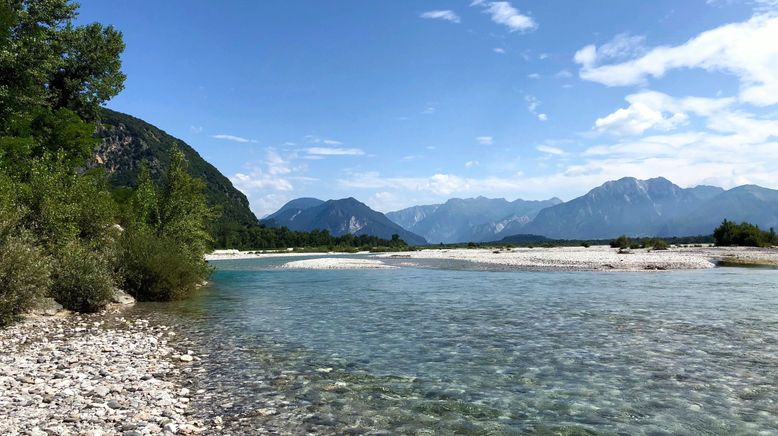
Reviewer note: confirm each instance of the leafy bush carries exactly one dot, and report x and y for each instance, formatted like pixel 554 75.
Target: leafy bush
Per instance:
pixel 585 244
pixel 745 234
pixel 620 242
pixel 24 277
pixel 660 244
pixel 158 269
pixel 83 278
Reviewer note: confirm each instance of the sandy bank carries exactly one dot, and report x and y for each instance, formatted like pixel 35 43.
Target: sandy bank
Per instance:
pixel 76 375
pixel 600 258
pixel 336 263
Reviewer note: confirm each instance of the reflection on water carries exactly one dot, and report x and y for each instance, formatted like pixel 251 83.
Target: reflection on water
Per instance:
pixel 444 351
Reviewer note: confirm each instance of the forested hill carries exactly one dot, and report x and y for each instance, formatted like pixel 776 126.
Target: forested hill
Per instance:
pixel 128 141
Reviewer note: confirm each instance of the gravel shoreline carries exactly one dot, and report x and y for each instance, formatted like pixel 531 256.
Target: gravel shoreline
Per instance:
pixel 94 375
pixel 597 258
pixel 336 263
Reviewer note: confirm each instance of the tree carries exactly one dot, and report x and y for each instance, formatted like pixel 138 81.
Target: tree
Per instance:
pixel 161 250
pixel 745 234
pixel 46 61
pixel 53 78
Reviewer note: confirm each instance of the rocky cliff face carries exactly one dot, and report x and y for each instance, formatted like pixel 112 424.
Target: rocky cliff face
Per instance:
pixel 127 142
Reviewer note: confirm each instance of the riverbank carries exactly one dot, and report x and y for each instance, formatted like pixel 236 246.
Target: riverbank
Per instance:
pixel 336 263
pixel 598 258
pixel 94 375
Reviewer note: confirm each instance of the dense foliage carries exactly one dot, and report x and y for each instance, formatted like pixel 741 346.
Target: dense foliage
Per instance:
pixel 744 234
pixel 259 237
pixel 166 235
pixel 59 232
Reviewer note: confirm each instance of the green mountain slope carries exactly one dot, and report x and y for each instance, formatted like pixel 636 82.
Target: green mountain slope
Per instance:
pixel 128 141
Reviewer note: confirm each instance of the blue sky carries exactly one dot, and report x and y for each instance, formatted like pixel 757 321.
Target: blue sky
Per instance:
pixel 399 103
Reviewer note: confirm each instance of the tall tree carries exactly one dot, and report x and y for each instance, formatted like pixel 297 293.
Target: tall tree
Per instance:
pixel 46 61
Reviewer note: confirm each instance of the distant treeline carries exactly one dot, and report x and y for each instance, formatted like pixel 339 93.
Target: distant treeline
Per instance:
pixel 260 237
pixel 541 241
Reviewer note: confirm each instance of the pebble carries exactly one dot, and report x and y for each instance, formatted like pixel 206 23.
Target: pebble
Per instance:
pixel 76 375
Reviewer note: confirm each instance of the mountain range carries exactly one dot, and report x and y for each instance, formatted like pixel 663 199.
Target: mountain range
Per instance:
pixel 470 219
pixel 628 206
pixel 339 217
pixel 653 207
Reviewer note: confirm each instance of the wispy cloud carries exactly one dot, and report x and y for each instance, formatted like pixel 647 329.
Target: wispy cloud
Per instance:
pixel 485 140
pixel 532 106
pixel 550 150
pixel 196 129
pixel 446 15
pixel 472 163
pixel 499 50
pixel 334 151
pixel 504 13
pixel 233 138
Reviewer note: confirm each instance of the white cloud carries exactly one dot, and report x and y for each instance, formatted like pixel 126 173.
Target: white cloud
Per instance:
pixel 504 13
pixel 259 180
pixel 655 110
pixel 446 15
pixel 472 163
pixel 233 138
pixel 334 151
pixel 550 150
pixel 533 76
pixel 499 50
pixel 196 129
pixel 429 110
pixel 747 50
pixel 485 140
pixel 532 106
pixel 563 74
pixel 316 139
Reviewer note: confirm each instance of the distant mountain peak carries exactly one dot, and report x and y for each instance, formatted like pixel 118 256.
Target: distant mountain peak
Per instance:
pixel 339 217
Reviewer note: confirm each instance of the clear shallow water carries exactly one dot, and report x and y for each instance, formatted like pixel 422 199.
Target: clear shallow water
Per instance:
pixel 444 351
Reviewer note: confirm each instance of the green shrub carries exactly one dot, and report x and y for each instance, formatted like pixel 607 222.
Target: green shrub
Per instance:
pixel 158 269
pixel 660 244
pixel 24 277
pixel 83 278
pixel 585 245
pixel 621 242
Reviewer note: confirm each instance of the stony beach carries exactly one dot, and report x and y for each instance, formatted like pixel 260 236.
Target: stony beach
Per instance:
pixel 597 258
pixel 336 263
pixel 94 375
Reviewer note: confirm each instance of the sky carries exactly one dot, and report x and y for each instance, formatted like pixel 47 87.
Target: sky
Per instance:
pixel 399 103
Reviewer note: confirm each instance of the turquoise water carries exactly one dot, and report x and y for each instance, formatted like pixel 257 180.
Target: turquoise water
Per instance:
pixel 451 351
